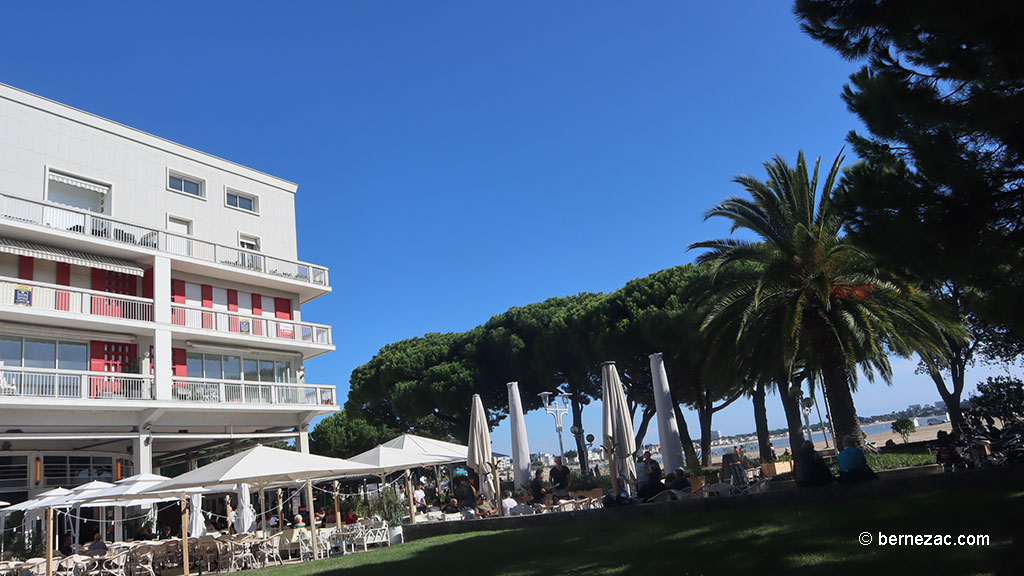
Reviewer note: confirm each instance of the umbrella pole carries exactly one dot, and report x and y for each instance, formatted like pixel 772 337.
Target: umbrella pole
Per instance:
pixel 497 485
pixel 49 541
pixel 408 493
pixel 280 518
pixel 263 514
pixel 611 470
pixel 184 535
pixel 312 518
pixel 227 506
pixel 337 508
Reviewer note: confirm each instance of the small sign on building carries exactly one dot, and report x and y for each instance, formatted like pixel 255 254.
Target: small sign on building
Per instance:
pixel 245 326
pixel 285 331
pixel 23 295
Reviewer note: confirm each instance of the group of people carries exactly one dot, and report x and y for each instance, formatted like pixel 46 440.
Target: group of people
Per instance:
pixel 558 487
pixel 853 465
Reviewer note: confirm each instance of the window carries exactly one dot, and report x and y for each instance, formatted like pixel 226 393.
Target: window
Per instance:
pixel 250 370
pixel 248 242
pixel 10 351
pixel 243 201
pixel 72 356
pixel 185 184
pixel 179 226
pixel 30 353
pixel 76 192
pixel 194 366
pixel 232 368
pixel 40 354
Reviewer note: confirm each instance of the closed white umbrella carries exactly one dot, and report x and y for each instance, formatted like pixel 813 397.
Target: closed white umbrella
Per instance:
pixel 520 445
pixel 618 426
pixel 196 518
pixel 480 447
pixel 668 428
pixel 245 517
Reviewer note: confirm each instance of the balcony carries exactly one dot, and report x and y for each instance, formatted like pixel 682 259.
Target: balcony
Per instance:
pixel 92 225
pixel 240 392
pixel 44 383
pixel 17 382
pixel 40 296
pixel 245 325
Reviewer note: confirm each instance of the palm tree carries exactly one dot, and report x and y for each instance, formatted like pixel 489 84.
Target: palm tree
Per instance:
pixel 805 296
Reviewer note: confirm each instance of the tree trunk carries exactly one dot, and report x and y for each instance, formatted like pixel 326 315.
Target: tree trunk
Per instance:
pixel 957 369
pixel 840 400
pixel 704 414
pixel 581 443
pixel 795 426
pixel 645 421
pixel 761 422
pixel 684 436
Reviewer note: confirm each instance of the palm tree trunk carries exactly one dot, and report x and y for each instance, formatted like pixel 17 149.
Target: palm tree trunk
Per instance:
pixel 761 422
pixel 840 400
pixel 795 426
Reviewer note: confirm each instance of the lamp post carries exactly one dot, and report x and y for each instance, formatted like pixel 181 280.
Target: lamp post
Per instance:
pixel 553 409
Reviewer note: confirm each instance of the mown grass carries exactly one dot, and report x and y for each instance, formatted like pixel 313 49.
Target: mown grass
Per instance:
pixel 804 538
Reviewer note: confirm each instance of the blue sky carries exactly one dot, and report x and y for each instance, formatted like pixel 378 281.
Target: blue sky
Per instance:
pixel 458 158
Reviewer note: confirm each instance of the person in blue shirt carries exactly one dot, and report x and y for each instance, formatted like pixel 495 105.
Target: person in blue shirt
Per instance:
pixel 853 465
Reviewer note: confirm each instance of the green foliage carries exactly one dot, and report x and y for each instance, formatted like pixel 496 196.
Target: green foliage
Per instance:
pixel 998 398
pixel 904 427
pixel 342 436
pixel 571 454
pixel 939 191
pixel 591 481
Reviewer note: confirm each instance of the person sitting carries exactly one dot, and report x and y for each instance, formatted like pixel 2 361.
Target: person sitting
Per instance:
pixel 732 468
pixel 853 465
pixel 298 522
pixel 507 503
pixel 811 469
pixel 680 482
pixel 537 488
pixel 452 507
pixel 98 545
pixel 165 532
pixel 67 546
pixel 485 507
pixel 144 533
pixel 350 517
pixel 465 493
pixel 619 498
pixel 654 484
pixel 331 517
pixel 945 452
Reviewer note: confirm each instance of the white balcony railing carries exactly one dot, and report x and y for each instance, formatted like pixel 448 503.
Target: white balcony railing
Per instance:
pixel 240 392
pixel 234 323
pixel 43 383
pixel 31 294
pixel 88 224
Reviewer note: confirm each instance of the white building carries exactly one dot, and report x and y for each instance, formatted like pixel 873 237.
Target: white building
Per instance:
pixel 150 302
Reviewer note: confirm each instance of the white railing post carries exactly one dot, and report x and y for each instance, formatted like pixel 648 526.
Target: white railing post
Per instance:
pixel 220 392
pixel 85 385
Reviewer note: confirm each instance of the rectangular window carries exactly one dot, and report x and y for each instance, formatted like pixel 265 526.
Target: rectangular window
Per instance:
pixel 185 184
pixel 55 470
pixel 212 365
pixel 40 354
pixel 232 368
pixel 243 201
pixel 250 370
pixel 76 192
pixel 284 372
pixel 10 351
pixel 248 242
pixel 266 371
pixel 194 366
pixel 72 356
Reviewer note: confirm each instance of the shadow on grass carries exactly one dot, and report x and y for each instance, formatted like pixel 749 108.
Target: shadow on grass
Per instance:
pixel 805 538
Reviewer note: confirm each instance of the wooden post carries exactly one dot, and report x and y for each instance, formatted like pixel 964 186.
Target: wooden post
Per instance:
pixel 312 518
pixel 49 541
pixel 615 477
pixel 263 514
pixel 337 507
pixel 280 516
pixel 184 535
pixel 408 493
pixel 231 525
pixel 497 485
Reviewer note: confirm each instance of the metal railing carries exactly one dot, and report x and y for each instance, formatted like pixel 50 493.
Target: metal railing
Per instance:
pixel 31 294
pixel 46 383
pixel 234 323
pixel 242 392
pixel 88 224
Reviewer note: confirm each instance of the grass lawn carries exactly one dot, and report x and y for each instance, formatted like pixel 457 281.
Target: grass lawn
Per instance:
pixel 805 538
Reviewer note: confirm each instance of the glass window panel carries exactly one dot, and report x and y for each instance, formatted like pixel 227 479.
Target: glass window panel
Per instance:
pixel 72 356
pixel 192 187
pixel 40 354
pixel 79 469
pixel 213 369
pixel 266 371
pixel 176 183
pixel 102 468
pixel 10 351
pixel 232 200
pixel 13 472
pixel 232 368
pixel 245 203
pixel 284 371
pixel 250 370
pixel 194 365
pixel 55 470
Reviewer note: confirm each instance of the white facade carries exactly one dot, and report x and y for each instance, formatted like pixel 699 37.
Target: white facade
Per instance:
pixel 149 302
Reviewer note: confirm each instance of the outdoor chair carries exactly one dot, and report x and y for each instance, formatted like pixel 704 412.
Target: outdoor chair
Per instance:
pixel 140 561
pixel 115 565
pixel 241 556
pixel 270 550
pixel 306 548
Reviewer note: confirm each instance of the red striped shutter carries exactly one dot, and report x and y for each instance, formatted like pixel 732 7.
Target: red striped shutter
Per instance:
pixel 26 266
pixel 257 310
pixel 283 308
pixel 63 274
pixel 207 303
pixel 233 307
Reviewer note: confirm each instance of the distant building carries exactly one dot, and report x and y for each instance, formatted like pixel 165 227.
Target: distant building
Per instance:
pixel 914 407
pixel 716 435
pixel 941 405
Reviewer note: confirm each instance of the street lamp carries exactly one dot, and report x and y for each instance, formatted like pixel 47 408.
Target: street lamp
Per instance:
pixel 553 409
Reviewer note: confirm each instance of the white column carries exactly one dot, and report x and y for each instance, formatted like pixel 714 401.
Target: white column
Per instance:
pixel 142 454
pixel 162 374
pixel 304 438
pixel 162 289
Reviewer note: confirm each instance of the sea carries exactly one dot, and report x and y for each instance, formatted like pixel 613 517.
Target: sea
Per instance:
pixel 782 442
